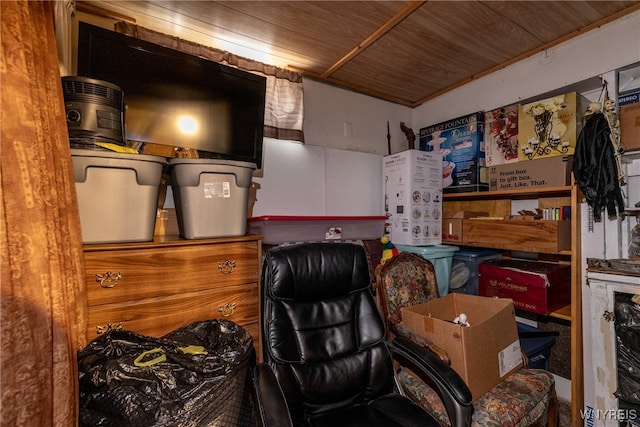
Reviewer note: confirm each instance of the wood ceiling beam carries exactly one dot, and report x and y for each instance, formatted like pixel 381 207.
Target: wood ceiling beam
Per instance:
pixel 351 86
pixel 377 34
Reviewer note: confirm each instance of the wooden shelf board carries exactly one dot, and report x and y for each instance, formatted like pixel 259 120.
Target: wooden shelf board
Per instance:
pixel 506 247
pixel 563 313
pixel 510 194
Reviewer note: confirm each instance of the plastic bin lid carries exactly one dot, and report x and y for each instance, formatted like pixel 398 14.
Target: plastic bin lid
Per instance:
pixel 476 253
pixel 107 154
pixel 314 218
pixel 201 161
pixel 433 251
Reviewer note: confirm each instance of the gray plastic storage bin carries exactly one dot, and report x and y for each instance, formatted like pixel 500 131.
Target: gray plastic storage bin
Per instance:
pixel 117 195
pixel 211 196
pixel 464 270
pixel 440 256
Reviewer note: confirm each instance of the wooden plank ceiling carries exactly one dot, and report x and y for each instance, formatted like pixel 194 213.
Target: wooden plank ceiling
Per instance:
pixel 406 52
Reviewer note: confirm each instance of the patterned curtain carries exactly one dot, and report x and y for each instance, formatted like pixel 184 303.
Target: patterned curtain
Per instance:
pixel 284 108
pixel 43 296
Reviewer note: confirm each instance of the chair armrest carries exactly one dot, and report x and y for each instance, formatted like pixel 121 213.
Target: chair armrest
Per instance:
pixel 406 332
pixel 453 391
pixel 272 406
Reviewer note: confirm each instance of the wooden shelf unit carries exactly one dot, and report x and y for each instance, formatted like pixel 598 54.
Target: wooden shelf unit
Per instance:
pixel 498 204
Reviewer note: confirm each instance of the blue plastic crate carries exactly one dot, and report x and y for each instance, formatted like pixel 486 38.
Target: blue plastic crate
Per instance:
pixel 536 344
pixel 464 269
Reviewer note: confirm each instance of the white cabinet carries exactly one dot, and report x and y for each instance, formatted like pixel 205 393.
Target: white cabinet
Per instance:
pixel 606 410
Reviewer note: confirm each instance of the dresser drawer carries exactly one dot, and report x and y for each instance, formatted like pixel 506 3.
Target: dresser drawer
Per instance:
pixel 160 315
pixel 115 276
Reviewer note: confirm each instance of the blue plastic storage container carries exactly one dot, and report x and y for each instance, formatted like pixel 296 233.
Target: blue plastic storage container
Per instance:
pixel 441 256
pixel 536 344
pixel 464 269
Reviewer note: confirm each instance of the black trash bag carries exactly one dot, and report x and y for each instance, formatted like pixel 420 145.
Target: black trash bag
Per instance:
pixel 627 327
pixel 198 375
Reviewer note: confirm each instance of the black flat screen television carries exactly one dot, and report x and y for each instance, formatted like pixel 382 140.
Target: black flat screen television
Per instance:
pixel 176 99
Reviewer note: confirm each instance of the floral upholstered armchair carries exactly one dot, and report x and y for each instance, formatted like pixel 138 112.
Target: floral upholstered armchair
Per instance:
pixel 525 398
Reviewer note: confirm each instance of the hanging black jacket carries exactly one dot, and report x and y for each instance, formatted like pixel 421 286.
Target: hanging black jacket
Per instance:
pixel 595 168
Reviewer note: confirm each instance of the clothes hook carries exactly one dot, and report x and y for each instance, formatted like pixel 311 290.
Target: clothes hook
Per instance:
pixel 603 90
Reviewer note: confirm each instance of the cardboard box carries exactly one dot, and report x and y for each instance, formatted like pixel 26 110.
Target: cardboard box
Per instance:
pixel 501 135
pixel 628 98
pixel 452 230
pixel 166 223
pixel 630 126
pixel 550 127
pixel 485 352
pixel 413 197
pixel 461 143
pixel 549 172
pixel 538 287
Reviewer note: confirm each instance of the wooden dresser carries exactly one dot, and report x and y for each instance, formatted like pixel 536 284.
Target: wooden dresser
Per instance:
pixel 155 287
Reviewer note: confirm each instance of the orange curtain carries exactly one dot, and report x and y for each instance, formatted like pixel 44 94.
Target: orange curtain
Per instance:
pixel 43 296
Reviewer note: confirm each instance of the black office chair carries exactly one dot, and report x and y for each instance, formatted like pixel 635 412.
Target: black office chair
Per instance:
pixel 324 339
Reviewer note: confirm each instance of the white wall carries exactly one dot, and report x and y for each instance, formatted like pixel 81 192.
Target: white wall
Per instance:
pixel 338 171
pixel 307 180
pixel 344 119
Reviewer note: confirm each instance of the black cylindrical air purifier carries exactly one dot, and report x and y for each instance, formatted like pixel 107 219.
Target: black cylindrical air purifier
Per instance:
pixel 95 111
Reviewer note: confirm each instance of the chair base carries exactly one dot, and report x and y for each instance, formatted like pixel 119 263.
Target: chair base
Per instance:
pixel 386 411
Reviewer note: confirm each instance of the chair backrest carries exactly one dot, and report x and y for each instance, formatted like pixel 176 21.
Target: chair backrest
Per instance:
pixel 322 333
pixel 406 279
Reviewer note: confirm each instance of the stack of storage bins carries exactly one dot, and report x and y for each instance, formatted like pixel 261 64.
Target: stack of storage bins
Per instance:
pixel 117 190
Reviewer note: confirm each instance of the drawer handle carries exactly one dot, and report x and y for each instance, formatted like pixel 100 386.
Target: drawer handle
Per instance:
pixel 226 267
pixel 108 327
pixel 227 309
pixel 108 279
